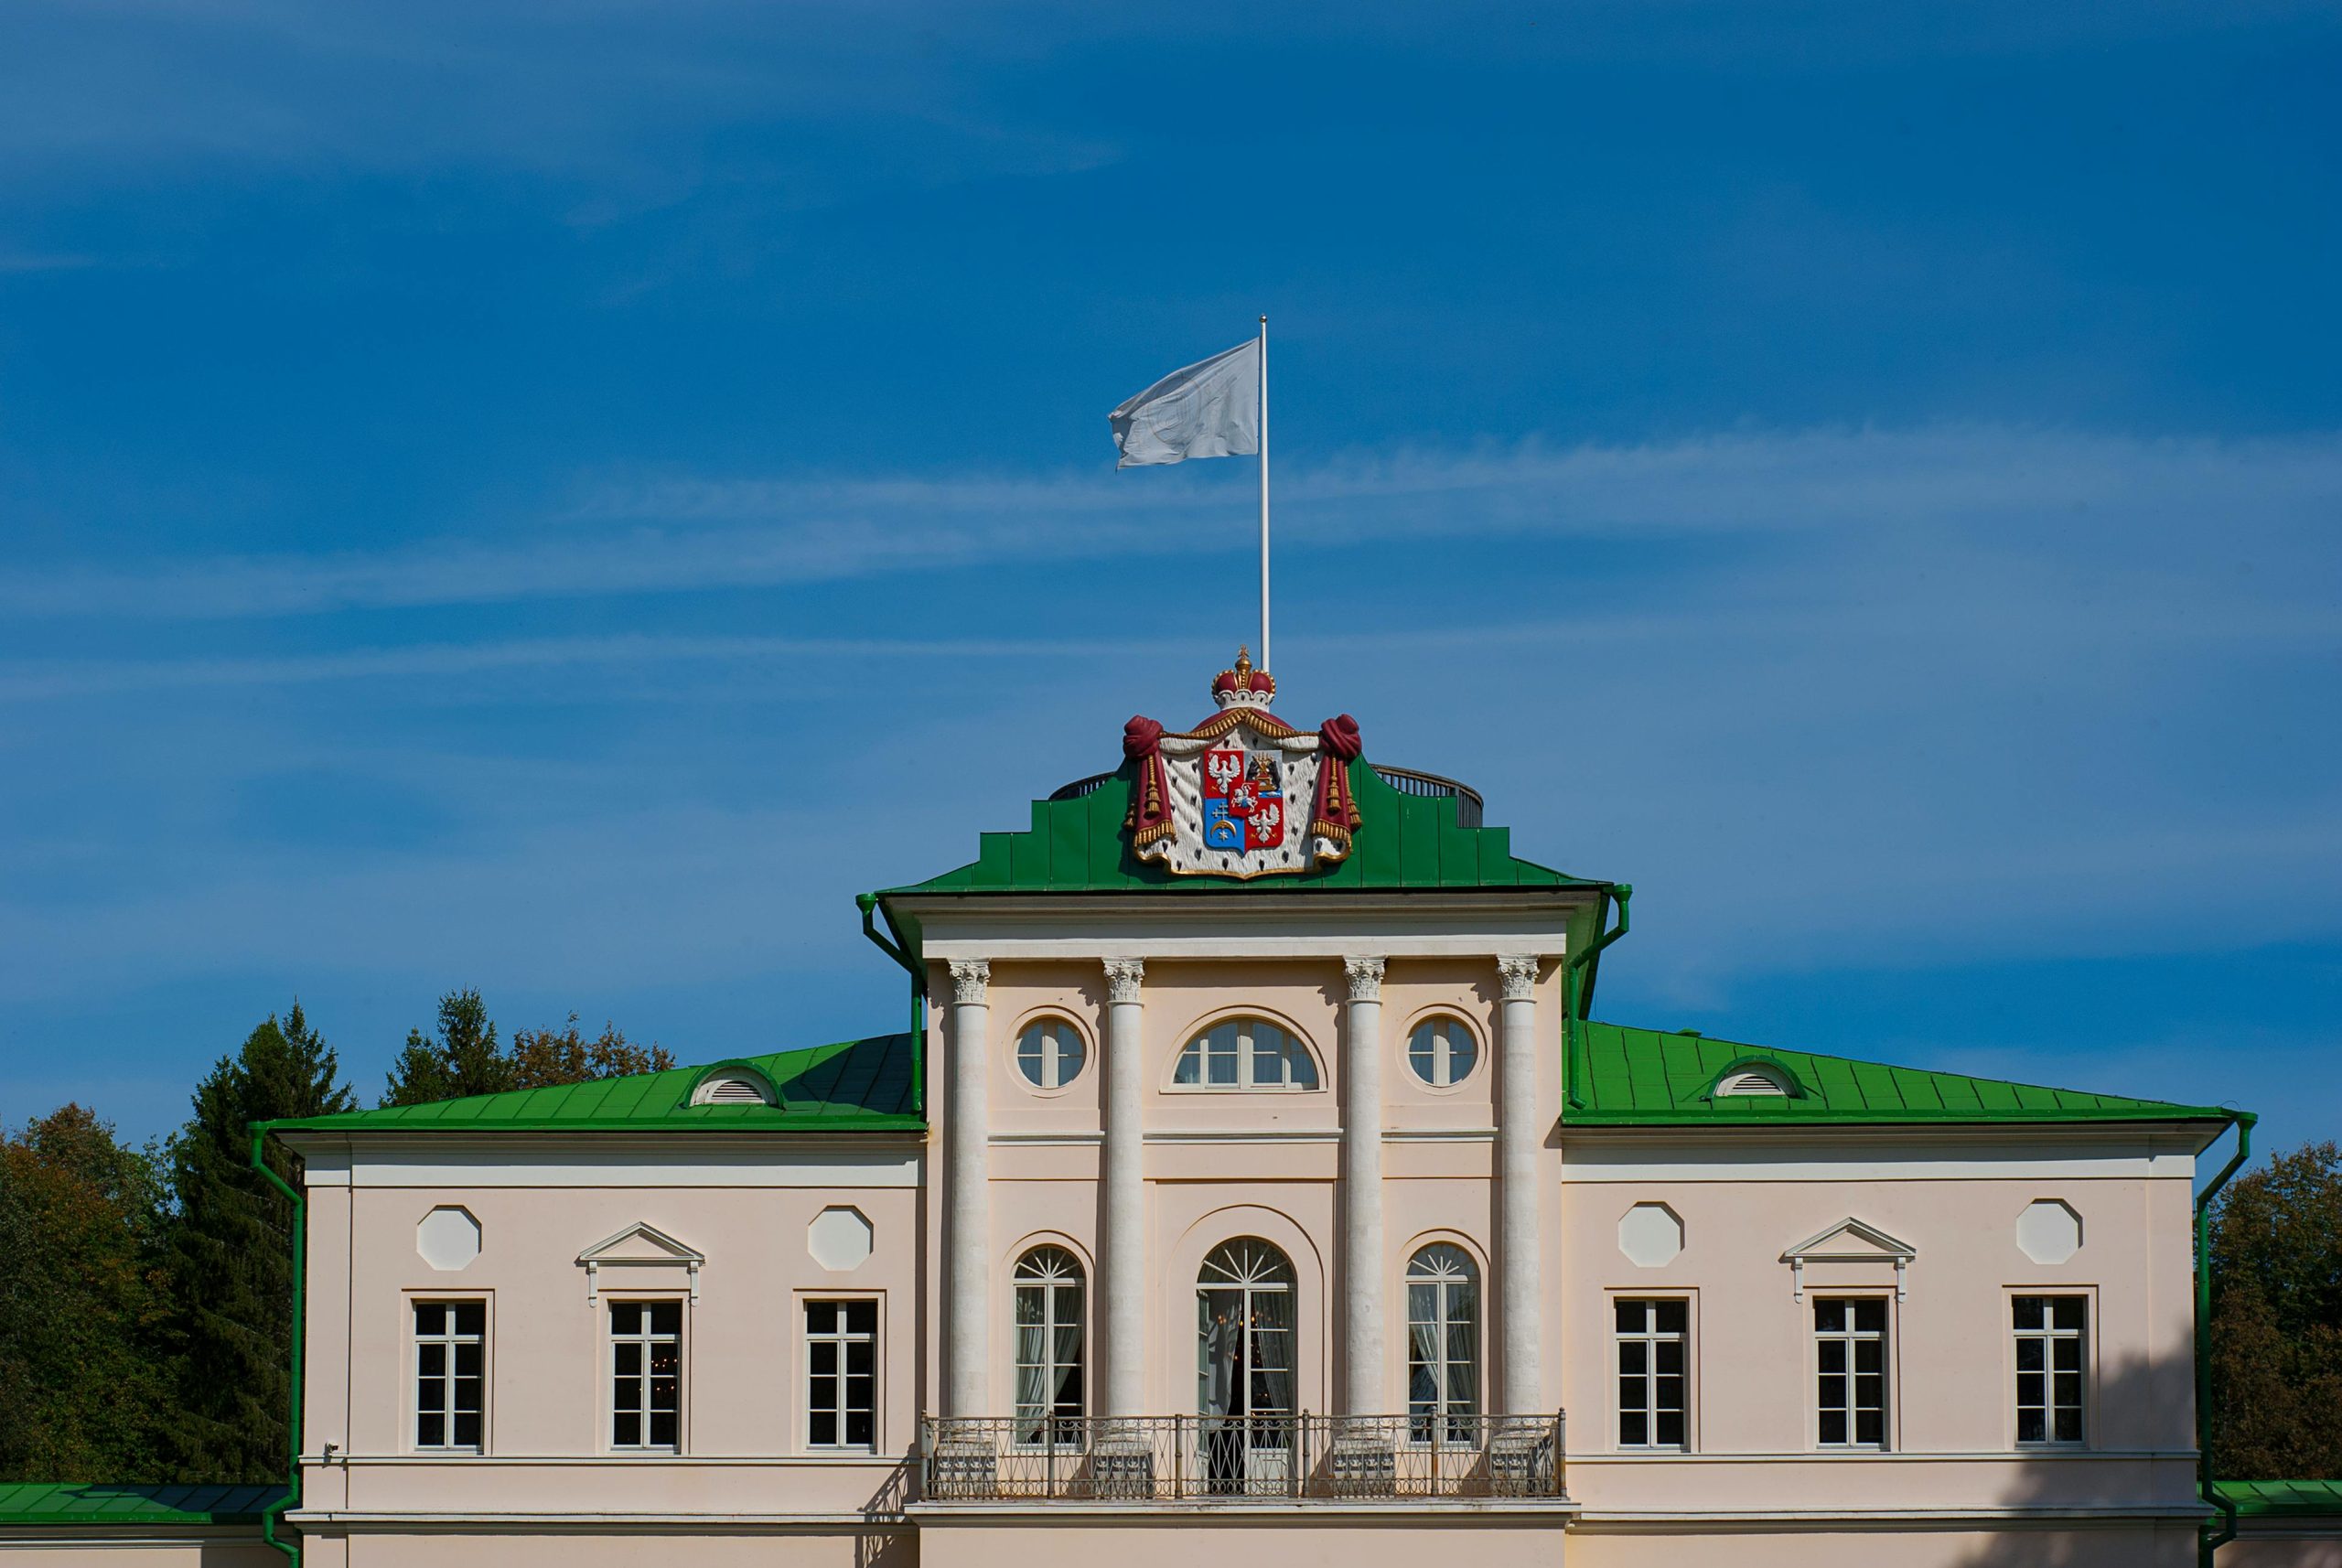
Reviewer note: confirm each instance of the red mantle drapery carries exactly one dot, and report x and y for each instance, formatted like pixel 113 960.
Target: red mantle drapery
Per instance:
pixel 1150 814
pixel 1337 748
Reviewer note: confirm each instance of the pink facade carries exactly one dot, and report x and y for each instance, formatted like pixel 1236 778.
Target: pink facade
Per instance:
pixel 1319 1218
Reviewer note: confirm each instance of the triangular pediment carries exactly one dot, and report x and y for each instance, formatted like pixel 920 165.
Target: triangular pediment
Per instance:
pixel 640 1242
pixel 1851 1241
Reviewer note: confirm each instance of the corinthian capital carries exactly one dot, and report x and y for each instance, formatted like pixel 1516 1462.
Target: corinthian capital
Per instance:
pixel 1365 977
pixel 968 978
pixel 1518 973
pixel 1123 975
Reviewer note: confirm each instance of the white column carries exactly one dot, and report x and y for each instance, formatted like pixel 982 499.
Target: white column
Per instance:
pixel 1121 1285
pixel 967 1274
pixel 1363 1375
pixel 1519 1307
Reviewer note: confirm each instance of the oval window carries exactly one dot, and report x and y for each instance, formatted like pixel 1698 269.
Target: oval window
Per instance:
pixel 1050 1054
pixel 1442 1051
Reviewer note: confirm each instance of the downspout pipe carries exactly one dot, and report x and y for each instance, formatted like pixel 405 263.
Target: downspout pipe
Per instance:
pixel 2212 1537
pixel 895 949
pixel 273 1514
pixel 1577 979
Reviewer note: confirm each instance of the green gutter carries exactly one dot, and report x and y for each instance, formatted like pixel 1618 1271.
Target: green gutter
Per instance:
pixel 1577 996
pixel 898 950
pixel 274 1511
pixel 2211 1537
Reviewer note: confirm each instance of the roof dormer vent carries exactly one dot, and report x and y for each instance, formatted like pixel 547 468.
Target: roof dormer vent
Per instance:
pixel 732 1089
pixel 1751 1081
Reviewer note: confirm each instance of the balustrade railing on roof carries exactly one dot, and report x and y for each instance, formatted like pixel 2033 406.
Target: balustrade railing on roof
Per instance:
pixel 1405 780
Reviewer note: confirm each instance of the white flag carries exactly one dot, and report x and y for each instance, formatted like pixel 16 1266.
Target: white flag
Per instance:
pixel 1210 410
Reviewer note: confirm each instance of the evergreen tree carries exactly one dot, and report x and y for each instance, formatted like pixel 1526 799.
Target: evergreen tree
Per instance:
pixel 2276 1327
pixel 85 1386
pixel 231 1254
pixel 461 1059
pixel 464 1059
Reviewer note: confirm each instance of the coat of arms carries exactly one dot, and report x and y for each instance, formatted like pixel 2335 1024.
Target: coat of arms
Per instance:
pixel 1219 799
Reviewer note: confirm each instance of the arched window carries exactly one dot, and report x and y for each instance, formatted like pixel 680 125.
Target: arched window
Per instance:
pixel 1443 1343
pixel 1049 1346
pixel 1049 1053
pixel 1442 1051
pixel 1245 1365
pixel 1246 1053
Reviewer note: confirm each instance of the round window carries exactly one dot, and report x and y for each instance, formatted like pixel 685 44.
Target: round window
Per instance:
pixel 1442 1051
pixel 1050 1054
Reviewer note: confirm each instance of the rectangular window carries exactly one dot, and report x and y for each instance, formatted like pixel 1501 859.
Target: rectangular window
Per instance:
pixel 450 1339
pixel 646 1375
pixel 1850 1345
pixel 2051 1331
pixel 841 1374
pixel 1652 1341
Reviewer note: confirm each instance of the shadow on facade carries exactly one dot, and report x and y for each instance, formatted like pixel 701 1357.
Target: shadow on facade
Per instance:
pixel 886 1540
pixel 2143 1404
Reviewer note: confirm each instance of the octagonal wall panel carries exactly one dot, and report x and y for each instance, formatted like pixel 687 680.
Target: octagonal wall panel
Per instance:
pixel 839 1238
pixel 2048 1231
pixel 447 1239
pixel 1650 1235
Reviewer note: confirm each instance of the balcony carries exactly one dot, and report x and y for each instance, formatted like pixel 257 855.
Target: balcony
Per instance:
pixel 1218 1459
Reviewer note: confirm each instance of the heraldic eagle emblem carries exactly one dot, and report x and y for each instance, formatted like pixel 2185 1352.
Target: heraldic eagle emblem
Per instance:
pixel 1219 799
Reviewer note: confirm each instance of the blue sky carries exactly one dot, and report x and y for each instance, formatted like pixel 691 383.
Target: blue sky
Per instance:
pixel 557 499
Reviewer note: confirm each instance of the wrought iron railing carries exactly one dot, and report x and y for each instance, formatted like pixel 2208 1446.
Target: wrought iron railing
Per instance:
pixel 1173 1458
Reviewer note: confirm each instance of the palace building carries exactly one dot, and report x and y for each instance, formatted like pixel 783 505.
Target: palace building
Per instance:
pixel 1253 1181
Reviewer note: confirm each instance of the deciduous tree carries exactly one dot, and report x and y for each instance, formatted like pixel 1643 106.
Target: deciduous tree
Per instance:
pixel 85 1383
pixel 2276 1247
pixel 542 1058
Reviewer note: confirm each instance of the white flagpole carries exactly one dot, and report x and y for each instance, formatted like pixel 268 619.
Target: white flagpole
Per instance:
pixel 1264 494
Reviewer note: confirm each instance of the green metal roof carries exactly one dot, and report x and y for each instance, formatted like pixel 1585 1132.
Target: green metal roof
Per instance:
pixel 1643 1078
pixel 2279 1498
pixel 101 1503
pixel 853 1086
pixel 1402 842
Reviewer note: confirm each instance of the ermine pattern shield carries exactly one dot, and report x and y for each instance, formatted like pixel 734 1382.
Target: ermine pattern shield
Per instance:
pixel 1233 803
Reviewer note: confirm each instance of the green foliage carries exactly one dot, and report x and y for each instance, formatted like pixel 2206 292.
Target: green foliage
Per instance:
pixel 463 1057
pixel 543 1059
pixel 230 1259
pixel 85 1389
pixel 2276 1260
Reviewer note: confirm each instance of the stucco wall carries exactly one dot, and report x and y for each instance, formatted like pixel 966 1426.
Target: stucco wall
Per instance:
pixel 746 1208
pixel 1951 1421
pixel 2284 1543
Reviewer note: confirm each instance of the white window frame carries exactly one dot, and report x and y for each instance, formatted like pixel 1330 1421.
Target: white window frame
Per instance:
pixel 1247 1080
pixel 2050 1337
pixel 1851 1337
pixel 841 1410
pixel 1649 1336
pixel 1056 1034
pixel 1449 1033
pixel 647 1339
pixel 1442 1277
pixel 1051 1288
pixel 448 1337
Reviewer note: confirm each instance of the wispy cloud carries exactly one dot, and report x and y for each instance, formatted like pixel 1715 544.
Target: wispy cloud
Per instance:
pixel 672 535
